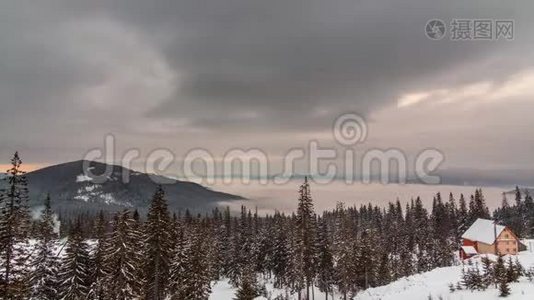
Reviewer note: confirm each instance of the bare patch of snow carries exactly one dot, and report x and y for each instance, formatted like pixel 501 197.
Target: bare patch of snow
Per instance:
pixel 83 178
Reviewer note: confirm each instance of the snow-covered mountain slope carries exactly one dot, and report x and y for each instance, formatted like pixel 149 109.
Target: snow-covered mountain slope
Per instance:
pixel 73 191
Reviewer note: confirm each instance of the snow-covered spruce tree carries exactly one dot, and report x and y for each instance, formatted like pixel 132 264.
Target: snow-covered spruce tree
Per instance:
pixel 512 271
pixel 226 243
pixel 232 269
pixel 248 289
pixel 122 260
pixel 504 287
pixel 423 233
pixel 384 270
pixel 214 259
pixel 218 250
pixel 158 247
pixel 74 274
pixel 45 265
pixel 197 278
pixel 280 256
pixel 518 268
pixel 262 243
pixel 365 262
pixel 477 207
pixel 14 230
pixel 463 215
pixel 392 240
pixel 242 247
pixel 295 268
pixel 404 256
pixel 499 270
pixel 98 275
pixel 529 216
pixel 487 271
pixel 326 277
pixel 179 262
pixel 344 256
pixel 306 224
pixel 442 229
pixel 454 221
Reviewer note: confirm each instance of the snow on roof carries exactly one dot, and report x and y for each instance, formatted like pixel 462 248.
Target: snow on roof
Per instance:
pixel 482 231
pixel 469 250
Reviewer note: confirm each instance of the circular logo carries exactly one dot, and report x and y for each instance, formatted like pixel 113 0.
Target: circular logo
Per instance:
pixel 350 129
pixel 435 29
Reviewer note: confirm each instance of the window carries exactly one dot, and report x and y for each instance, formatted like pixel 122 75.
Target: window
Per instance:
pixel 507 249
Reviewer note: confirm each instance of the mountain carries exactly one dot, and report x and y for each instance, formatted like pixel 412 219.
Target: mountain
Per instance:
pixel 72 191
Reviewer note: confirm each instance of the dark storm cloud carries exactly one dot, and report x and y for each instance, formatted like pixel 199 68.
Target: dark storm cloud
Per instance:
pixel 285 59
pixel 166 67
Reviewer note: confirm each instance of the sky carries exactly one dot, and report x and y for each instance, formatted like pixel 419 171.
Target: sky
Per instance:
pixel 270 75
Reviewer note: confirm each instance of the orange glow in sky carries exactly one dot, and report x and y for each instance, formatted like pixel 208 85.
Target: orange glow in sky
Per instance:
pixel 25 167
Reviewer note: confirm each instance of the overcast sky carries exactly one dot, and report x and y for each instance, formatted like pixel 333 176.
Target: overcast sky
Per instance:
pixel 269 74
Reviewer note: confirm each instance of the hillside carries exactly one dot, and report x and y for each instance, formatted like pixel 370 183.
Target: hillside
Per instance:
pixel 435 284
pixel 430 285
pixel 72 191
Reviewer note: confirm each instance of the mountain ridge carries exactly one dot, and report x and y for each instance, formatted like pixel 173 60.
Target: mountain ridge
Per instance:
pixel 71 190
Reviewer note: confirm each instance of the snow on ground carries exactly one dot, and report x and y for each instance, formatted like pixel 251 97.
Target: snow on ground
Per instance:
pixel 223 290
pixel 93 192
pixel 433 284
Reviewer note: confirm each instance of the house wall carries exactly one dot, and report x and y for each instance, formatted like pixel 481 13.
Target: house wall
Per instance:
pixel 484 248
pixel 467 242
pixel 507 242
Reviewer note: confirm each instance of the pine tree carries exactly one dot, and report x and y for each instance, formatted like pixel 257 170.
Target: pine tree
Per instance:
pixel 248 289
pixel 74 273
pixel 504 288
pixel 529 215
pixel 226 243
pixel 462 215
pixel 499 270
pixel 480 208
pixel 517 196
pixel 384 270
pixel 158 247
pixel 488 272
pixel 197 278
pixel 122 260
pixel 305 237
pixel 98 274
pixel 178 271
pixel 512 271
pixel 295 268
pixel 45 265
pixel 325 278
pixel 519 270
pixel 245 248
pixel 280 253
pixel 14 229
pixel 344 256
